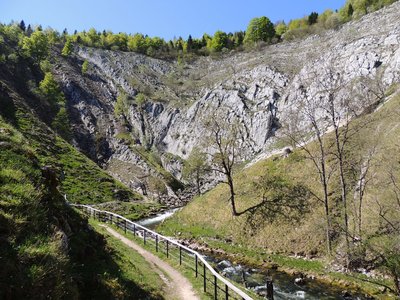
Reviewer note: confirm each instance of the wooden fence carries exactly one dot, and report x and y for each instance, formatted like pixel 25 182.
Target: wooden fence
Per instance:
pixel 213 283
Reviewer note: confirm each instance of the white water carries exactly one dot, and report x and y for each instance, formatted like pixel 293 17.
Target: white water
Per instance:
pixel 153 221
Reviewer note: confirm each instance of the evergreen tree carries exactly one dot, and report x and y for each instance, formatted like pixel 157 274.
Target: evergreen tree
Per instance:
pixel 85 67
pixel 238 38
pixel 189 44
pixel 68 47
pixel 50 90
pixel 312 18
pixel 29 30
pixel 350 10
pixel 22 25
pixel 36 46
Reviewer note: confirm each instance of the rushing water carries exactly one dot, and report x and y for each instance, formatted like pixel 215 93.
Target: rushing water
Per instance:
pixel 153 221
pixel 255 279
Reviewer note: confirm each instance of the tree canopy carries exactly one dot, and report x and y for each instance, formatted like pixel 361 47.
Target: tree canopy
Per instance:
pixel 68 47
pixel 49 88
pixel 36 46
pixel 259 29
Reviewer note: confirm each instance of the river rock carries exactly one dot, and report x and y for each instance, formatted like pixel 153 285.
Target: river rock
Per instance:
pixel 299 281
pixel 224 265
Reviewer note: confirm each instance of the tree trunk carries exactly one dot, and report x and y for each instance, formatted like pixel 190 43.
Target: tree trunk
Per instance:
pixel 232 196
pixel 198 183
pixel 361 196
pixel 324 183
pixel 343 186
pixel 328 221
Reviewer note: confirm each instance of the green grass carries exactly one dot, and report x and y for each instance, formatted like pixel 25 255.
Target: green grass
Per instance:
pixel 131 264
pixel 81 179
pixel 47 250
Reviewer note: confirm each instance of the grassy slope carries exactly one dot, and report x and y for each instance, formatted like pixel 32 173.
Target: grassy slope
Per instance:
pixel 208 218
pixel 83 181
pixel 46 249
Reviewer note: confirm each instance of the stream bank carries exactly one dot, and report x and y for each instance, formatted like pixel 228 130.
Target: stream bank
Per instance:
pixel 288 284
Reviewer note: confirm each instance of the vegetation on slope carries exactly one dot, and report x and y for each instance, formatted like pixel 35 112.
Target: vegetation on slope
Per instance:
pixel 47 250
pixel 32 101
pixel 287 223
pixel 260 30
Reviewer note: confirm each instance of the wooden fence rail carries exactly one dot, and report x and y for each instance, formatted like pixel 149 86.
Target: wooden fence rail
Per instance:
pixel 213 282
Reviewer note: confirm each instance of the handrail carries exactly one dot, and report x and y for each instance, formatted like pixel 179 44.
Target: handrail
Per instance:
pixel 198 255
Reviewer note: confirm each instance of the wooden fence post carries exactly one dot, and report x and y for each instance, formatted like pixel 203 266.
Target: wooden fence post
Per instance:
pixel 134 230
pixel 226 292
pixel 167 248
pixel 180 255
pixel 125 226
pixel 144 237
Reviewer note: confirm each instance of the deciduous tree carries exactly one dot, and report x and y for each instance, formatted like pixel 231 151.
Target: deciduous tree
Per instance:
pixel 259 29
pixel 224 144
pixel 196 167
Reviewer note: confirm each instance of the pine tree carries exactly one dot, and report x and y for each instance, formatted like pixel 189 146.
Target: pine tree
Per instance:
pixel 189 45
pixel 29 30
pixel 312 18
pixel 22 25
pixel 68 47
pixel 350 10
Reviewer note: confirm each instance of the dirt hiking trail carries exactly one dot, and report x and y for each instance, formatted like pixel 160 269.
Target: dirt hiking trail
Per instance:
pixel 178 287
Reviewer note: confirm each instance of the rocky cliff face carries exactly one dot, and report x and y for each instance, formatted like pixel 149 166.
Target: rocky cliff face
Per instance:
pixel 261 89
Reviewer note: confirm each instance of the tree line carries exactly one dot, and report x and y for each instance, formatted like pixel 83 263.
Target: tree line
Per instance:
pixel 260 30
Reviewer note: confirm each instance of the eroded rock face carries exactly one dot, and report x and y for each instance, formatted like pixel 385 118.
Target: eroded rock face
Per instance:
pixel 261 89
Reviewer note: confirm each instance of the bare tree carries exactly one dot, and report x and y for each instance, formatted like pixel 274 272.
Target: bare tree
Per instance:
pixel 305 127
pixel 326 108
pixel 224 141
pixel 196 167
pixel 385 243
pixel 362 169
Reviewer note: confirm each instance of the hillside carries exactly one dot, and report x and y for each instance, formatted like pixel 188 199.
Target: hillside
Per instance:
pixel 47 249
pixel 305 133
pixel 164 104
pixel 289 220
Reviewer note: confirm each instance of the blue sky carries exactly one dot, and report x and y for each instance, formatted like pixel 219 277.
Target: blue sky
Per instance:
pixel 164 18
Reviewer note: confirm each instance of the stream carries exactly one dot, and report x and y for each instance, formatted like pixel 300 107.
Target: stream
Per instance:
pixel 255 279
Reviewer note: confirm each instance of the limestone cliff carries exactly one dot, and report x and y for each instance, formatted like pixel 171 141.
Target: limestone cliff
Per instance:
pixel 261 88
